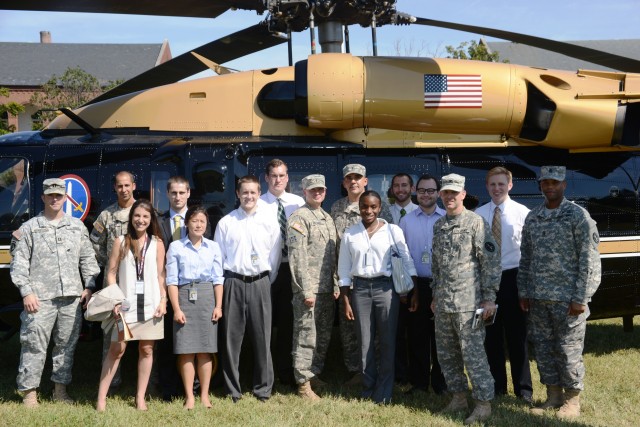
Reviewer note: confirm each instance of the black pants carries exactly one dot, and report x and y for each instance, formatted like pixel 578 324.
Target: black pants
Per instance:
pixel 511 322
pixel 170 381
pixel 283 322
pixel 416 343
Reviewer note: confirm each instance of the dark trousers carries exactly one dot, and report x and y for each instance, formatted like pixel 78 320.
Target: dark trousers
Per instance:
pixel 247 306
pixel 511 323
pixel 170 382
pixel 424 368
pixel 281 297
pixel 375 306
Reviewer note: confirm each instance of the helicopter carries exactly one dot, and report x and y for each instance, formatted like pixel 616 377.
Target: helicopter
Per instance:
pixel 392 114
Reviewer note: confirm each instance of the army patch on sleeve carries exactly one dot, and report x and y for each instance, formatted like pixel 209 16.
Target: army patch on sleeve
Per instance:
pixel 296 226
pixel 97 231
pixel 17 234
pixel 490 247
pixel 595 237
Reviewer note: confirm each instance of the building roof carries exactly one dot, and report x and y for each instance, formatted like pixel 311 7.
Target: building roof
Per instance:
pixel 33 64
pixel 522 54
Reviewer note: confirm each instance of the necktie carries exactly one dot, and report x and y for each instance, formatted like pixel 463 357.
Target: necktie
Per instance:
pixel 282 220
pixel 177 227
pixel 402 212
pixel 496 227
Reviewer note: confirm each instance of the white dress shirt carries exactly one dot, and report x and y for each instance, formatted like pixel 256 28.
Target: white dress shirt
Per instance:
pixel 242 236
pixel 396 208
pixel 364 257
pixel 512 215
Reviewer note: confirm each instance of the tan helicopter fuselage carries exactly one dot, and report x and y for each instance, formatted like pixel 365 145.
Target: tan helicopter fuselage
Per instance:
pixel 380 102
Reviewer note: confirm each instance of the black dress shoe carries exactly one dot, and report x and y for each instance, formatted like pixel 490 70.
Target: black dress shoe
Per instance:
pixel 262 399
pixel 235 399
pixel 528 399
pixel 415 390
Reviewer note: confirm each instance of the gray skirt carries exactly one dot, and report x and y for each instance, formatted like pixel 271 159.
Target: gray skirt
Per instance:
pixel 199 334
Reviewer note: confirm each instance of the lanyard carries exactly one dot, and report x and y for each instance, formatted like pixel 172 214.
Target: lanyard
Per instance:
pixel 140 264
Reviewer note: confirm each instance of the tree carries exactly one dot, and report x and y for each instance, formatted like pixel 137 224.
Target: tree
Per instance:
pixel 9 108
pixel 473 50
pixel 72 89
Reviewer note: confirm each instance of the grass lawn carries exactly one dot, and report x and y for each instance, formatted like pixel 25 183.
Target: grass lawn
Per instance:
pixel 611 398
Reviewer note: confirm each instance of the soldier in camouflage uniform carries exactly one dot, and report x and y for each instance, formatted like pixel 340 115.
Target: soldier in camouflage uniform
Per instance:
pixel 50 253
pixel 345 213
pixel 111 224
pixel 311 238
pixel 466 276
pixel 559 272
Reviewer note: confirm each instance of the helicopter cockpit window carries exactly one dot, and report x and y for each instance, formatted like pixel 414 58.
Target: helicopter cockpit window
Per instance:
pixel 14 193
pixel 158 191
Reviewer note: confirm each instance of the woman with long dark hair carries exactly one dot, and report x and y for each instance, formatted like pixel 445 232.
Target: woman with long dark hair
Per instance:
pixel 137 262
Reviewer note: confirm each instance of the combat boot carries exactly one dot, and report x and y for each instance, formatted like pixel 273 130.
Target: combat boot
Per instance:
pixel 354 381
pixel 30 398
pixel 305 392
pixel 555 399
pixel 60 394
pixel 571 406
pixel 481 412
pixel 458 403
pixel 317 383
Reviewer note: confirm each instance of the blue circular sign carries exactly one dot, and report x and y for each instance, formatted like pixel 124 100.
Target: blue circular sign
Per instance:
pixel 78 197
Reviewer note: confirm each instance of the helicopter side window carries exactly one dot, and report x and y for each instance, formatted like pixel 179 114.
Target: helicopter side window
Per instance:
pixel 158 191
pixel 14 193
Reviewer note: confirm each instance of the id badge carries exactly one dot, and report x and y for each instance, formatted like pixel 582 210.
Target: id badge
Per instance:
pixel 193 294
pixel 254 258
pixel 139 287
pixel 368 259
pixel 426 257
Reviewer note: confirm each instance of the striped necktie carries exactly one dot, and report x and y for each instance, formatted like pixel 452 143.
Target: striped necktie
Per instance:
pixel 496 227
pixel 282 220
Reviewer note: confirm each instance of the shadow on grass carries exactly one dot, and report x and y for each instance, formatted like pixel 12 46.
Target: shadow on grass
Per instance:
pixel 607 336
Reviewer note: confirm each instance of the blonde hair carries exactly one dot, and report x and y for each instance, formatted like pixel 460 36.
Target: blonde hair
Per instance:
pixel 499 170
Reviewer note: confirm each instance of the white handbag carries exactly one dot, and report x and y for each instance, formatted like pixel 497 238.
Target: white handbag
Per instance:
pixel 402 282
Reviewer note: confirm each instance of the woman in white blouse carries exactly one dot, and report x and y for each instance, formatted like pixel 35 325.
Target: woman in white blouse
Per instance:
pixel 365 265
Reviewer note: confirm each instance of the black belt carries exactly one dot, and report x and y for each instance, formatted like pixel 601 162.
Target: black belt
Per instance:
pixel 197 282
pixel 426 280
pixel 248 279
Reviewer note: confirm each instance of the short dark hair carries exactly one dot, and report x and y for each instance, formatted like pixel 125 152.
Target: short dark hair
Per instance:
pixel 402 175
pixel 274 163
pixel 177 179
pixel 426 177
pixel 194 210
pixel 371 193
pixel 131 176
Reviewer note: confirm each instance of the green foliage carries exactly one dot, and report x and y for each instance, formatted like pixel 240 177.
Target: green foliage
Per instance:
pixel 72 89
pixel 473 50
pixel 9 108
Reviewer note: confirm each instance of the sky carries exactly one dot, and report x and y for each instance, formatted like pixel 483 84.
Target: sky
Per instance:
pixel 563 20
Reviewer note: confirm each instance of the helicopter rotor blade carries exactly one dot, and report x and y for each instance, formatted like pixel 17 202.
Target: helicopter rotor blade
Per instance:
pixel 250 40
pixel 594 56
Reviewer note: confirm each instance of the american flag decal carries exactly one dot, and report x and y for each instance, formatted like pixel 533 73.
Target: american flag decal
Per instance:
pixel 452 91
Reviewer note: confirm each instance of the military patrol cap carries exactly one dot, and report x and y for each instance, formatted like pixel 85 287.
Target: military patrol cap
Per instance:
pixel 354 168
pixel 313 181
pixel 552 172
pixel 453 182
pixel 54 186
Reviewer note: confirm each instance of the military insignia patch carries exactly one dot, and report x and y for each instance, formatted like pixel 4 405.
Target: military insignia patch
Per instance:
pixel 97 231
pixel 490 247
pixel 296 226
pixel 17 234
pixel 596 238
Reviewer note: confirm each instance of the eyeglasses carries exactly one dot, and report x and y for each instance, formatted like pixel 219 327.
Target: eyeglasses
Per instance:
pixel 429 191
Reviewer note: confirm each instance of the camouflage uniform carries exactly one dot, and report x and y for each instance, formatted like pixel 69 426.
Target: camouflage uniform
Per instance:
pixel 48 261
pixel 111 224
pixel 346 214
pixel 466 271
pixel 560 264
pixel 311 238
